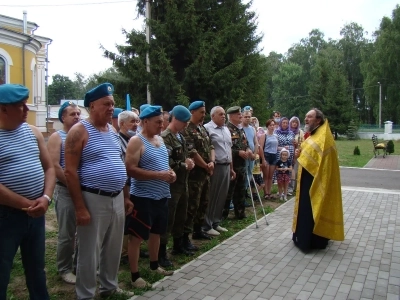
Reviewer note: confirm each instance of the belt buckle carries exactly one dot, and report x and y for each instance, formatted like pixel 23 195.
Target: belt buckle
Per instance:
pixel 98 192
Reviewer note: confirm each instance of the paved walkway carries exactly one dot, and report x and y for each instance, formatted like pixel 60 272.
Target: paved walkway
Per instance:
pixel 390 162
pixel 263 263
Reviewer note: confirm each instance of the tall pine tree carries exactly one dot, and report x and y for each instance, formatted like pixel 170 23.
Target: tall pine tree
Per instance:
pixel 205 49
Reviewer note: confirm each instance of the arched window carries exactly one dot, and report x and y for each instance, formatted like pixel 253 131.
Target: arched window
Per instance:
pixel 3 73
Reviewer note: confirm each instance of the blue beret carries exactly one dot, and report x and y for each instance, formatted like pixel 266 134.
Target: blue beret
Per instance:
pixel 196 104
pixel 64 106
pixel 143 107
pixel 181 113
pixel 116 112
pixel 247 108
pixel 150 111
pixel 233 110
pixel 13 93
pixel 100 91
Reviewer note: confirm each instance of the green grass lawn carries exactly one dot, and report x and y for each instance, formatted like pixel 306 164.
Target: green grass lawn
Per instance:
pixel 348 159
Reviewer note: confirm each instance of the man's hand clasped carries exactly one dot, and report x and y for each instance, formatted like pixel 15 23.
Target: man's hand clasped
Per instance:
pixel 37 207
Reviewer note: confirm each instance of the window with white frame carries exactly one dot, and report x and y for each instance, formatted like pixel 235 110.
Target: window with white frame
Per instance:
pixel 3 73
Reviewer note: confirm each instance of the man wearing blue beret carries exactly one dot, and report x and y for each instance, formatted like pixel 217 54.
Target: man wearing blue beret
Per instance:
pixel 69 115
pixel 96 177
pixel 147 164
pixel 116 112
pixel 202 152
pixel 27 180
pixel 180 162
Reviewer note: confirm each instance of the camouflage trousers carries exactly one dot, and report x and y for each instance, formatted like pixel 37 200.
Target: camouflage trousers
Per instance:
pixel 177 208
pixel 236 193
pixel 199 190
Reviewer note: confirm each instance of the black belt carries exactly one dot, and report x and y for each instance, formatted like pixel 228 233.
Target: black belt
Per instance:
pixel 99 192
pixel 61 184
pixel 223 164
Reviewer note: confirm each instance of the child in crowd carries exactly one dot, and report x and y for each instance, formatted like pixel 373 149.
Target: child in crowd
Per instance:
pixel 257 178
pixel 283 167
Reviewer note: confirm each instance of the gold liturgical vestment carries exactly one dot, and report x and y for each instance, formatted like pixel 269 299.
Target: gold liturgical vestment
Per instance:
pixel 319 157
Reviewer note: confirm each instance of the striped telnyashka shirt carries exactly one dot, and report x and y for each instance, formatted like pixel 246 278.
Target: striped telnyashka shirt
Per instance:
pixel 20 167
pixel 101 165
pixel 63 136
pixel 153 159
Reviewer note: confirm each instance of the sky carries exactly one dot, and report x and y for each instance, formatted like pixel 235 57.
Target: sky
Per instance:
pixel 79 27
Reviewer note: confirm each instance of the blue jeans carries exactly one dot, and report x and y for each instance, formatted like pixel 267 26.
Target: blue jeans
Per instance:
pixel 17 229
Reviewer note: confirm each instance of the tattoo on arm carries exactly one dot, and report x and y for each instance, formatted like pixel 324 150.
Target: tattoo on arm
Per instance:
pixel 70 143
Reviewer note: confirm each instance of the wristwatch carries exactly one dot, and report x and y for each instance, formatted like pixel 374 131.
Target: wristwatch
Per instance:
pixel 48 198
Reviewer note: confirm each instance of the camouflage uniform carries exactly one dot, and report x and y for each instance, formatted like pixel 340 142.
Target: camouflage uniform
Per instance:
pixel 237 187
pixel 198 141
pixel 177 205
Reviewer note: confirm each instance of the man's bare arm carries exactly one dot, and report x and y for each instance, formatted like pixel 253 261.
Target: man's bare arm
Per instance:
pixel 9 198
pixel 54 145
pixel 47 164
pixel 74 143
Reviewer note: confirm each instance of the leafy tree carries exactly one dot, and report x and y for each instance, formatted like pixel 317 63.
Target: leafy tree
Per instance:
pixel 61 88
pixel 203 49
pixel 290 92
pixel 273 61
pixel 383 66
pixel 329 89
pixel 352 44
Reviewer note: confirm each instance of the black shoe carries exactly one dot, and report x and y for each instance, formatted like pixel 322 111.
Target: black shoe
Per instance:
pixel 200 235
pixel 240 216
pixel 248 195
pixel 179 249
pixel 187 244
pixel 144 254
pixel 246 204
pixel 163 260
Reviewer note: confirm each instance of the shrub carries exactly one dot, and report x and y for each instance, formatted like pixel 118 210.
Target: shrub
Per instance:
pixel 352 131
pixel 356 151
pixel 390 147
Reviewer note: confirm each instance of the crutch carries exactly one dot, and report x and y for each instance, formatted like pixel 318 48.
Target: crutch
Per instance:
pixel 252 201
pixel 259 198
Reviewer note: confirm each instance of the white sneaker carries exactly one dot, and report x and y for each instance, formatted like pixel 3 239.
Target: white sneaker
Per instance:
pixel 69 278
pixel 117 291
pixel 221 229
pixel 285 198
pixel 281 197
pixel 213 232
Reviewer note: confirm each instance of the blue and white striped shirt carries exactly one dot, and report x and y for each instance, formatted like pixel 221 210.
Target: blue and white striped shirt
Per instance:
pixel 153 159
pixel 63 136
pixel 21 170
pixel 101 164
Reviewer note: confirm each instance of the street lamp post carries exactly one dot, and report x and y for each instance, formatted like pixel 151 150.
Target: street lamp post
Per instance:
pixel 148 16
pixel 380 105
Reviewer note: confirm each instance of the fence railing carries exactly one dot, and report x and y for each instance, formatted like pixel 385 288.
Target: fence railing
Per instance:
pixel 375 128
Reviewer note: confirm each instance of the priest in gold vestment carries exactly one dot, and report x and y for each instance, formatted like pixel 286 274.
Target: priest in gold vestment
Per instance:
pixel 318 212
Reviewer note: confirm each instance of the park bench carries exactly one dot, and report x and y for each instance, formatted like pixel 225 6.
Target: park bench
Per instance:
pixel 378 146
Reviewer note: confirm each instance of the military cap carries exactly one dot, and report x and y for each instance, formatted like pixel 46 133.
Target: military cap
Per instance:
pixel 100 91
pixel 61 110
pixel 116 112
pixel 196 104
pixel 233 110
pixel 143 107
pixel 181 113
pixel 13 93
pixel 150 111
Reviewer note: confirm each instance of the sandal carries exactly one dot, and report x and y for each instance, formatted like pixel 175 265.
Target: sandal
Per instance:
pixel 267 196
